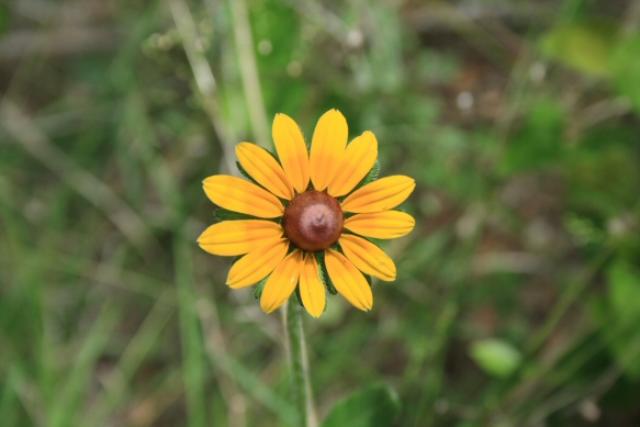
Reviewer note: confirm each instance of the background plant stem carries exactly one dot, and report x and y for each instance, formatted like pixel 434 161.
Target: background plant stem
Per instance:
pixel 299 362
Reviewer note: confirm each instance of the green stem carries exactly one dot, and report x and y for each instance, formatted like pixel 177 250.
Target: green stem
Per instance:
pixel 301 384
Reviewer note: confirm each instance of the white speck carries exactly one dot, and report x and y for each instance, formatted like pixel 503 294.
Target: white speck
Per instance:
pixel 355 38
pixel 537 72
pixel 465 100
pixel 620 225
pixel 590 410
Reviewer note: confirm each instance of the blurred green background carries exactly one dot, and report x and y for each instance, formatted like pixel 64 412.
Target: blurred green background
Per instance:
pixel 518 295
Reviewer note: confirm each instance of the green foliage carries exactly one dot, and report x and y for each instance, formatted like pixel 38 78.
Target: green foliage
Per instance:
pixel 585 46
pixel 598 49
pixel 4 18
pixel 280 50
pixel 624 291
pixel 376 405
pixel 324 275
pixel 626 69
pixel 371 176
pixel 538 142
pixel 620 315
pixel 602 171
pixel 526 206
pixel 496 357
pixel 259 287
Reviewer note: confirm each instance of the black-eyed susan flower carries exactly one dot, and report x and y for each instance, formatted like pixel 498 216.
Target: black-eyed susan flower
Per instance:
pixel 309 216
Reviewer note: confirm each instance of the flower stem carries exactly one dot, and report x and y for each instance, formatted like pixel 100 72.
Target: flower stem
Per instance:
pixel 301 384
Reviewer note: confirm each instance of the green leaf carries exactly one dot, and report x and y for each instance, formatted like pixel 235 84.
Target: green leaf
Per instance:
pixel 619 325
pixel 496 357
pixel 624 291
pixel 324 274
pixel 257 293
pixel 585 47
pixel 603 152
pixel 625 65
pixel 373 406
pixel 373 173
pixel 370 177
pixel 4 18
pixel 584 230
pixel 538 142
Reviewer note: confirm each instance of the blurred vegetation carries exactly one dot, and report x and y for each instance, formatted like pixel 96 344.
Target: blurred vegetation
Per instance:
pixel 518 296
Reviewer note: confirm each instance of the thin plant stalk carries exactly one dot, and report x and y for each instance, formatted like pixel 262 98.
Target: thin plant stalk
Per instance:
pixel 299 363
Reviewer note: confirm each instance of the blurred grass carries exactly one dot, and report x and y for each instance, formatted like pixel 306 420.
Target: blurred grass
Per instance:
pixel 519 121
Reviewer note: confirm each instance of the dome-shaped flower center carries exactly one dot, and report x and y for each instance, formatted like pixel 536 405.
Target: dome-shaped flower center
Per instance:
pixel 313 221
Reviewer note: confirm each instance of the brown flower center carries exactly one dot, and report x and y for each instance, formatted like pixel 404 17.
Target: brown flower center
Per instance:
pixel 313 221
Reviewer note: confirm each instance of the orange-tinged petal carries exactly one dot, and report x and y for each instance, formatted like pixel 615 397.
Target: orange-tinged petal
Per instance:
pixel 238 195
pixel 282 282
pixel 264 168
pixel 381 225
pixel 367 257
pixel 312 289
pixel 292 151
pixel 348 280
pixel 231 238
pixel 257 264
pixel 381 195
pixel 358 159
pixel 327 148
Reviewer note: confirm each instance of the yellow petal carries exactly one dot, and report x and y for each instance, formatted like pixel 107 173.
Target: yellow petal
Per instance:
pixel 381 195
pixel 257 264
pixel 348 280
pixel 264 168
pixel 282 282
pixel 231 238
pixel 367 257
pixel 358 159
pixel 327 148
pixel 381 225
pixel 291 150
pixel 312 289
pixel 238 195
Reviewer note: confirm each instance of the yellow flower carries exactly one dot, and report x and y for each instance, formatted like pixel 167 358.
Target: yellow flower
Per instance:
pixel 306 218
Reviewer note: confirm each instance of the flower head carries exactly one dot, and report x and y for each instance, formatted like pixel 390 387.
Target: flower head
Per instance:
pixel 308 216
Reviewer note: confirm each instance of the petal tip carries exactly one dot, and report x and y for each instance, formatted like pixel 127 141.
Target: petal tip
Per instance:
pixel 314 314
pixel 269 309
pixel 200 238
pixel 369 134
pixel 240 148
pixel 389 276
pixel 230 280
pixel 281 116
